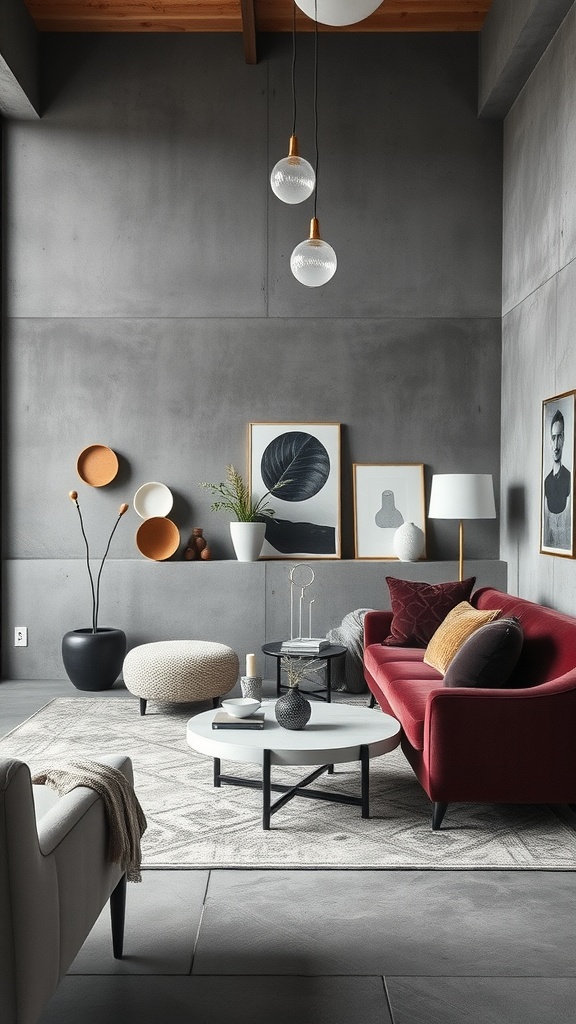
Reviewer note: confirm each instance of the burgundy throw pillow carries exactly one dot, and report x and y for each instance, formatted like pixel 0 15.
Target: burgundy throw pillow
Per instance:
pixel 488 657
pixel 419 608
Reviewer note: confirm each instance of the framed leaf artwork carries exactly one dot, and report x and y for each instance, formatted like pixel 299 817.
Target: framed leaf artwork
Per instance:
pixel 299 464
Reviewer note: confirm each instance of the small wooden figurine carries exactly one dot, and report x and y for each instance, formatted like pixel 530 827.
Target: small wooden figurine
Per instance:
pixel 197 546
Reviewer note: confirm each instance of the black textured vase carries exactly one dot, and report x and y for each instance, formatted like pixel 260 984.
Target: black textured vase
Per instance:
pixel 93 660
pixel 292 709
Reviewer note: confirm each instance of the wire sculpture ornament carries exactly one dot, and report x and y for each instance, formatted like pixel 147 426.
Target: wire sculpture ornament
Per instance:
pixel 300 581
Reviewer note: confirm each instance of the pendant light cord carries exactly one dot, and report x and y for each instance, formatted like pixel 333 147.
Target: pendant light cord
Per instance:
pixel 316 98
pixel 293 67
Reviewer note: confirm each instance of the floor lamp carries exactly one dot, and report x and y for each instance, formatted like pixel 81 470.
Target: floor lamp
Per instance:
pixel 462 496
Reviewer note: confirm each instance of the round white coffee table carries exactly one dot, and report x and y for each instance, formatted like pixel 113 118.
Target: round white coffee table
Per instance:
pixel 335 734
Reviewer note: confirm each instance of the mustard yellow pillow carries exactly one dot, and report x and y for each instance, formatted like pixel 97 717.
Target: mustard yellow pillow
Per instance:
pixel 458 625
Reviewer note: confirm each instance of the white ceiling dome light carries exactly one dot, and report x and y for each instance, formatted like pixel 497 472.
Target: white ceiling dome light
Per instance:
pixel 338 12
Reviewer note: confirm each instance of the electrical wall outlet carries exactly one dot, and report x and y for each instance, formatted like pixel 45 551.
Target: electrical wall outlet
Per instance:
pixel 20 636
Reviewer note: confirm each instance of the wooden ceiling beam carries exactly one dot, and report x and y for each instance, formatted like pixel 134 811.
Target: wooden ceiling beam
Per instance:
pixel 136 15
pixel 244 15
pixel 391 16
pixel 249 31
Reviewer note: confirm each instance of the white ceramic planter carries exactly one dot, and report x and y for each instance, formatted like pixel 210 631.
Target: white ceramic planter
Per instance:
pixel 247 539
pixel 409 542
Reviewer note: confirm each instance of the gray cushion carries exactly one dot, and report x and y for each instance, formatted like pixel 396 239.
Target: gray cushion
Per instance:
pixel 488 657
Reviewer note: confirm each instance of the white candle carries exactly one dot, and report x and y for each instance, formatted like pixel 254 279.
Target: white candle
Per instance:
pixel 251 665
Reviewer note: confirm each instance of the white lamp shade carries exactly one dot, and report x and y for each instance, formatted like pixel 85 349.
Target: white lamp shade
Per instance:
pixel 462 496
pixel 338 12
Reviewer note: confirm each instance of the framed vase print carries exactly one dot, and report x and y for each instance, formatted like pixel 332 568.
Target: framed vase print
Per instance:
pixel 386 497
pixel 557 476
pixel 298 466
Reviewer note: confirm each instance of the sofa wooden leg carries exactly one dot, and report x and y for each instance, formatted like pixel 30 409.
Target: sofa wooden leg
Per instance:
pixel 437 815
pixel 372 701
pixel 117 916
pixel 143 703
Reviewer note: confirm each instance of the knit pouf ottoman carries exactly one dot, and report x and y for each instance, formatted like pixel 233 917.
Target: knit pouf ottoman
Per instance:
pixel 177 671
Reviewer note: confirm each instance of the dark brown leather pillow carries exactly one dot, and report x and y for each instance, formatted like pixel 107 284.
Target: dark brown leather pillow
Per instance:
pixel 419 608
pixel 488 657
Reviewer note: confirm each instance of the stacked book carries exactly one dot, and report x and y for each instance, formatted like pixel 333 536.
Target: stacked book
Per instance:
pixel 304 645
pixel 222 720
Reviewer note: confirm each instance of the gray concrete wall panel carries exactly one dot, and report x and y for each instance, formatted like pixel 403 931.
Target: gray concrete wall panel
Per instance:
pixel 217 601
pixel 540 172
pixel 151 305
pixel 514 36
pixel 237 603
pixel 171 178
pixel 174 398
pixel 539 356
pixel 411 213
pixel 153 156
pixel 19 90
pixel 528 376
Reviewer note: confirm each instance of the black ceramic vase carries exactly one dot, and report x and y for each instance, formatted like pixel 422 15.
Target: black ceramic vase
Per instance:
pixel 292 709
pixel 93 660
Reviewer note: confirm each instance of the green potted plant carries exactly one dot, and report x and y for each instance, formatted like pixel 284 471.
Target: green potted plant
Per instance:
pixel 249 525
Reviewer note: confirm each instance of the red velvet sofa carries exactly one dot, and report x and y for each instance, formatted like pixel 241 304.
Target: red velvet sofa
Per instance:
pixel 511 745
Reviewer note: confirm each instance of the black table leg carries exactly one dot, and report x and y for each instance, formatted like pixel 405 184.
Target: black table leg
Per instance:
pixel 217 772
pixel 365 770
pixel 278 675
pixel 266 799
pixel 328 680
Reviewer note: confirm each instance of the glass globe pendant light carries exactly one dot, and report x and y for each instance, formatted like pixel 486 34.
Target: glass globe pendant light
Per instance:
pixel 313 261
pixel 292 179
pixel 338 12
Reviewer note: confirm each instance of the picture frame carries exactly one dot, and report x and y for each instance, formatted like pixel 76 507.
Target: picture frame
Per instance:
pixel 305 459
pixel 557 475
pixel 386 495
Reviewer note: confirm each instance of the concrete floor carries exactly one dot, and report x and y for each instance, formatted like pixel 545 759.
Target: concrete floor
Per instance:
pixel 324 947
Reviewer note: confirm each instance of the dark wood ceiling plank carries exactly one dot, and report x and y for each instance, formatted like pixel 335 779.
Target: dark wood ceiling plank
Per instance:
pixel 244 15
pixel 249 31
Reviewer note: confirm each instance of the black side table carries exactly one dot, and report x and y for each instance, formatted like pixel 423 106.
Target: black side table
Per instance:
pixel 326 654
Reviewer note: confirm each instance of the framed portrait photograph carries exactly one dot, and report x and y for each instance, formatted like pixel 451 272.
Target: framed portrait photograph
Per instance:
pixel 557 476
pixel 299 463
pixel 386 497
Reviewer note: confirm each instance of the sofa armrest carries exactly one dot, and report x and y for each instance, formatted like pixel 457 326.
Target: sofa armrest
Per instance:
pixel 502 745
pixel 70 808
pixel 376 627
pixel 64 817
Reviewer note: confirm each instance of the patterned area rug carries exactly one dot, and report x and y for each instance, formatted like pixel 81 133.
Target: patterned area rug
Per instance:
pixel 193 825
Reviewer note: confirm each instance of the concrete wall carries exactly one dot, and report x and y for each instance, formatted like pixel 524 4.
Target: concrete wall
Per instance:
pixel 19 87
pixel 539 305
pixel 514 37
pixel 151 306
pixel 242 604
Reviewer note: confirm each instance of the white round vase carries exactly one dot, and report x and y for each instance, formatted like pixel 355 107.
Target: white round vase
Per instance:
pixel 409 542
pixel 247 539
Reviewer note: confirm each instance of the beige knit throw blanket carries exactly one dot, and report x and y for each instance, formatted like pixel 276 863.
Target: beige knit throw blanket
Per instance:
pixel 124 815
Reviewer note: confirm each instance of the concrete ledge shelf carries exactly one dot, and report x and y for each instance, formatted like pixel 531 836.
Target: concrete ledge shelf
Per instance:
pixel 242 604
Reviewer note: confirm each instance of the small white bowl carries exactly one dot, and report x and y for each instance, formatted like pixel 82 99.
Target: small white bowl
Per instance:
pixel 153 499
pixel 241 707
